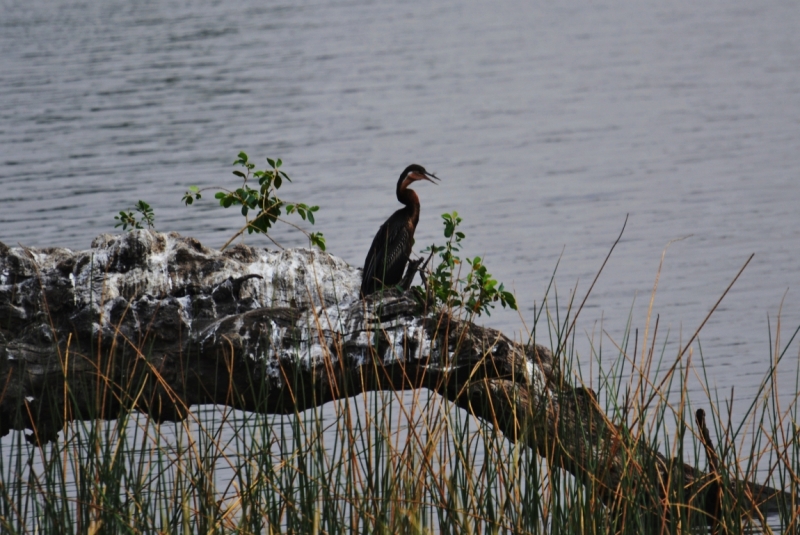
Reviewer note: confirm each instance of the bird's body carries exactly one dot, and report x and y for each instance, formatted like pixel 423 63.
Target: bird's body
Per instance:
pixel 388 255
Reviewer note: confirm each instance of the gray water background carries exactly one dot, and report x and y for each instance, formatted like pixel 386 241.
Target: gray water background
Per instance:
pixel 547 124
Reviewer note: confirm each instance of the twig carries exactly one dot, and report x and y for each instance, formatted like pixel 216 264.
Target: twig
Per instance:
pixel 241 231
pixel 411 271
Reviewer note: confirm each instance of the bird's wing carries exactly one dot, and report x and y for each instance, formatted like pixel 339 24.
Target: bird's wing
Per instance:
pixel 386 254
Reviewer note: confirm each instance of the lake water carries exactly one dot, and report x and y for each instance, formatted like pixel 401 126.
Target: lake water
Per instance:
pixel 546 123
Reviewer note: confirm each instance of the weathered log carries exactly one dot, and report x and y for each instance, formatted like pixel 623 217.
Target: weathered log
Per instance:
pixel 159 322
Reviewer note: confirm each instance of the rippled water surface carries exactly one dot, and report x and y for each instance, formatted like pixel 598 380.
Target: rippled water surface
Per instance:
pixel 547 124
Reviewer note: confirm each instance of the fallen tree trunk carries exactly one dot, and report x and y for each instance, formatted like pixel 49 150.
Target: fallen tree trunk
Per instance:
pixel 159 322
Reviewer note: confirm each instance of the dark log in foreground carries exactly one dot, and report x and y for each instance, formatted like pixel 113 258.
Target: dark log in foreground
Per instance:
pixel 160 322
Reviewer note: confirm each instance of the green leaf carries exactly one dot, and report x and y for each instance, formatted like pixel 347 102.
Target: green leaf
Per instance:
pixel 271 162
pixel 239 174
pixel 317 239
pixel 310 215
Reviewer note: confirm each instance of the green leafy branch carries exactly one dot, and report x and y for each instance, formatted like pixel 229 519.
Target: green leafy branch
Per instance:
pixel 261 200
pixel 129 219
pixel 478 291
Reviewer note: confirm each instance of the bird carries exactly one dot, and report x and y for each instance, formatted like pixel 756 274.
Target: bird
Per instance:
pixel 388 255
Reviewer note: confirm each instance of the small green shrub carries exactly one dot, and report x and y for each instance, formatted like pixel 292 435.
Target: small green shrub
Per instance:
pixel 262 200
pixel 128 219
pixel 478 291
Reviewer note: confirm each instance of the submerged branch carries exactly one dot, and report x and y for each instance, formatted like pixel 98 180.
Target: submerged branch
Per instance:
pixel 159 322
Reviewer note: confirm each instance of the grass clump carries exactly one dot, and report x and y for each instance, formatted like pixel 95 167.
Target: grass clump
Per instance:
pixel 413 462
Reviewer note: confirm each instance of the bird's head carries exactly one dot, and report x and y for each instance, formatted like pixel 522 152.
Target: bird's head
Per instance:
pixel 411 174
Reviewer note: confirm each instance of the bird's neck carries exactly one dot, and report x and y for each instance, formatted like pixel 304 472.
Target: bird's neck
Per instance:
pixel 410 199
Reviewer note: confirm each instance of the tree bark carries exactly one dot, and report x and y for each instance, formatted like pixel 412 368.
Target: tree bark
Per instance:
pixel 159 322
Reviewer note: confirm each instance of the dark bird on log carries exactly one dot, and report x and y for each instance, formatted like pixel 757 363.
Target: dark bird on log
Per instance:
pixel 388 255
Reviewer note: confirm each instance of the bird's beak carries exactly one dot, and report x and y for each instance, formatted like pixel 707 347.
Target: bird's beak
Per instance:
pixel 426 176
